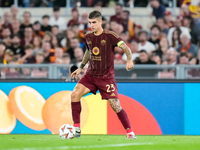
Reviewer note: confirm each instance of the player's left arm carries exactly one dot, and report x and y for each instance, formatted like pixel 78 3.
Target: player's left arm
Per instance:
pixel 129 63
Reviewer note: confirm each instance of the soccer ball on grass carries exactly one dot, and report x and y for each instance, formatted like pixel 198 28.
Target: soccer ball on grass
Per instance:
pixel 67 131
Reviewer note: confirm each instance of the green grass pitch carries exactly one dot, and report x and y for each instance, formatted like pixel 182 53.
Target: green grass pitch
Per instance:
pixel 96 142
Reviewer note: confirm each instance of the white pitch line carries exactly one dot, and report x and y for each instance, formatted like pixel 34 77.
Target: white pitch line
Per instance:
pixel 80 147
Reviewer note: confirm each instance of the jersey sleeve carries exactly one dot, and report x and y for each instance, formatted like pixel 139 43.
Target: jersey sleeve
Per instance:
pixel 86 45
pixel 116 40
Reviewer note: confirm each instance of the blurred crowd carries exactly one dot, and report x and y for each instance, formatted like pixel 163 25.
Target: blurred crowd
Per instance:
pixel 83 3
pixel 170 40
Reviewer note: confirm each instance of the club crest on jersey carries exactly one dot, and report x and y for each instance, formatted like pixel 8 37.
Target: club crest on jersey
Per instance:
pixel 95 50
pixel 103 42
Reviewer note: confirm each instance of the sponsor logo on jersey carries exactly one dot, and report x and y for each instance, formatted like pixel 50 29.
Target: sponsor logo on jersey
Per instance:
pixel 103 42
pixel 95 50
pixel 98 58
pixel 113 94
pixel 90 42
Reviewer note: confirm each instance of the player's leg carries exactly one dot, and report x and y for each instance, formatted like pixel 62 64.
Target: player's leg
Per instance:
pixel 79 91
pixel 123 117
pixel 108 90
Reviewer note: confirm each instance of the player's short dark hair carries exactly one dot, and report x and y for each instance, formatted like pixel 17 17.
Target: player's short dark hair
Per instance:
pixel 95 14
pixel 56 8
pixel 45 16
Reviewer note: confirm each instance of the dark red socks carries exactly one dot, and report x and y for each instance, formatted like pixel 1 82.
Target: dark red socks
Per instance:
pixel 123 117
pixel 76 111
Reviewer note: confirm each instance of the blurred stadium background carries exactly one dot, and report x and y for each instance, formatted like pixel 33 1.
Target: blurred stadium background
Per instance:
pixel 161 93
pixel 52 66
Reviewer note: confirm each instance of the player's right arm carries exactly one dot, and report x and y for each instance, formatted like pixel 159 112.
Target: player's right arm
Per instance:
pixel 83 63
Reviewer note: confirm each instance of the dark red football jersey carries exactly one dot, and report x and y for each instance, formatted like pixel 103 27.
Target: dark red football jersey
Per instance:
pixel 101 47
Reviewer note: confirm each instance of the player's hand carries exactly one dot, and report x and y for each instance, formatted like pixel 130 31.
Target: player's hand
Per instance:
pixel 129 65
pixel 76 73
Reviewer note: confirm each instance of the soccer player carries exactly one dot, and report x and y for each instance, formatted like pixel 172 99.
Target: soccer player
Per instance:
pixel 100 45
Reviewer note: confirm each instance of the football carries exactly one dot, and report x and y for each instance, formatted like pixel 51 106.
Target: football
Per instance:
pixel 67 131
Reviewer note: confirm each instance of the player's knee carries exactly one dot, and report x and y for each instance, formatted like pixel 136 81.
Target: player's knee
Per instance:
pixel 75 97
pixel 115 104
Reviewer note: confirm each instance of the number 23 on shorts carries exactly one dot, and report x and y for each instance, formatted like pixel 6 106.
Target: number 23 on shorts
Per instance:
pixel 110 88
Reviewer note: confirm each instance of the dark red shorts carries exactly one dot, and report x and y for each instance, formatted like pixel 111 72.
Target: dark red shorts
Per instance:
pixel 107 87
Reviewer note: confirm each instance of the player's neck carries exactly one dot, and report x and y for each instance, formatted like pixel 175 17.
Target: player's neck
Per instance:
pixel 98 32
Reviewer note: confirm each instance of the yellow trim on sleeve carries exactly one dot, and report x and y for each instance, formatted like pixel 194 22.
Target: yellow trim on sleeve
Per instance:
pixel 119 43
